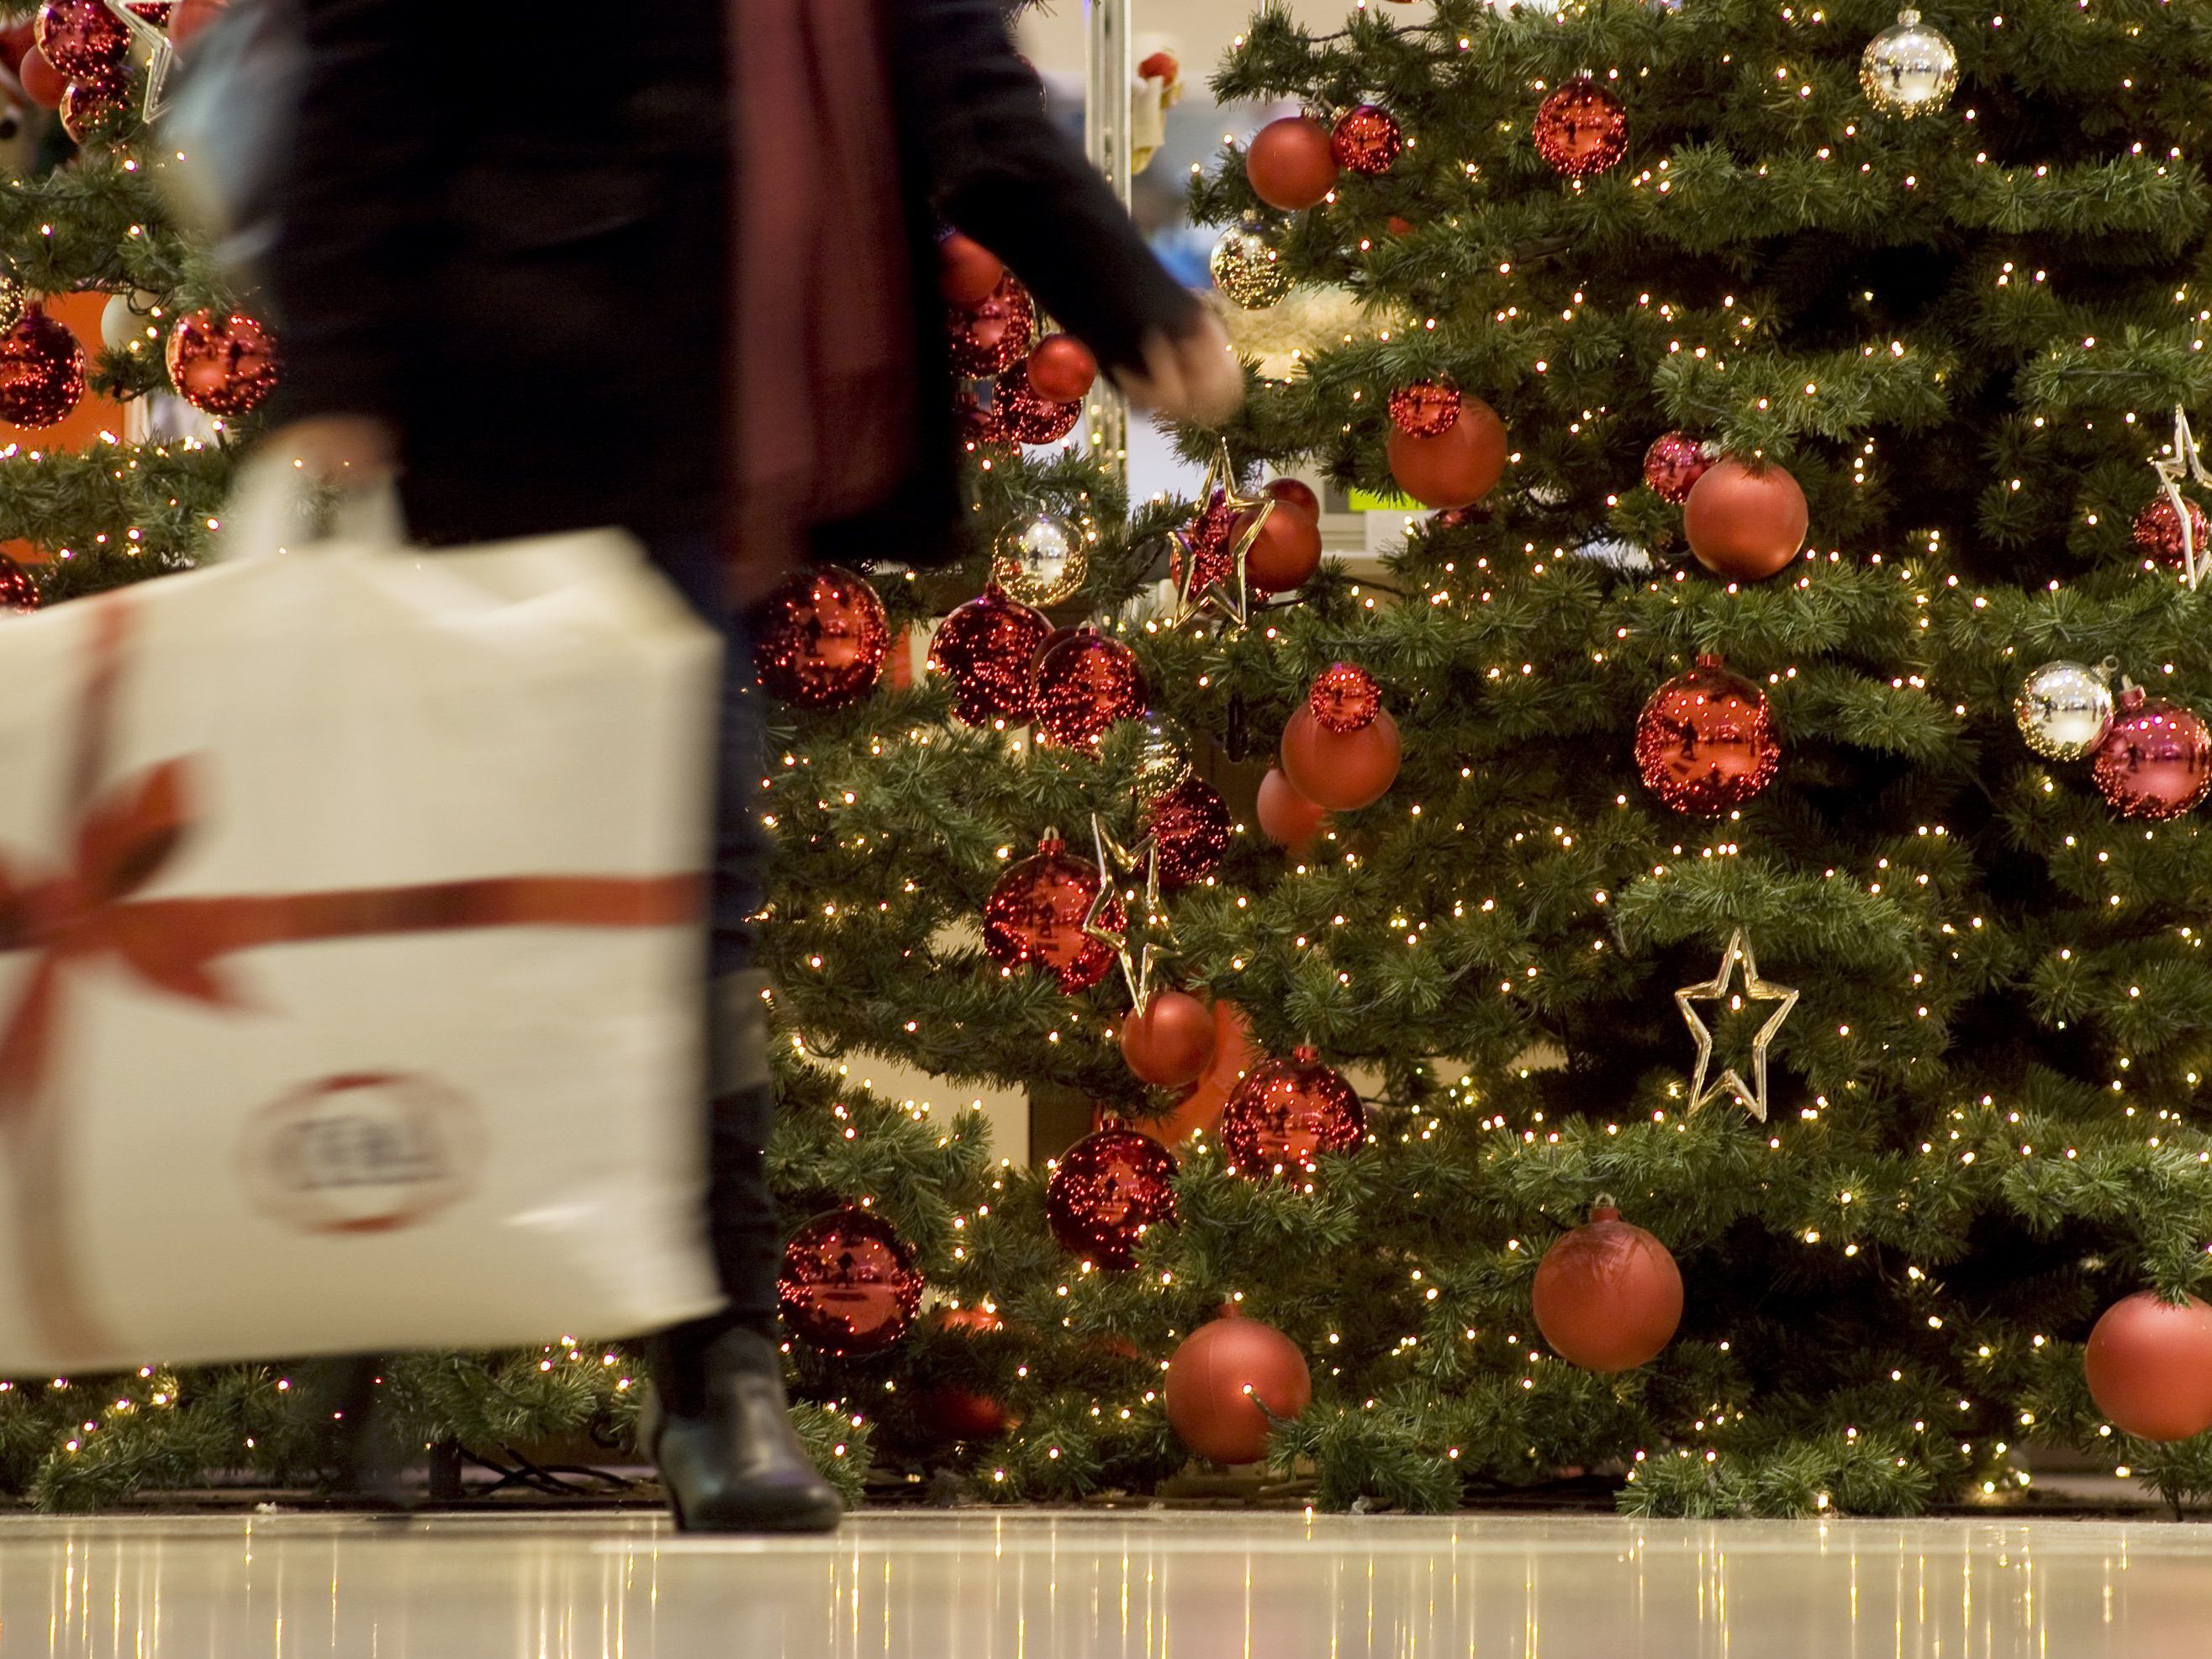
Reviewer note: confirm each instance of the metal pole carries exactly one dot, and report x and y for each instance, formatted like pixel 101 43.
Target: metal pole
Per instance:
pixel 1110 72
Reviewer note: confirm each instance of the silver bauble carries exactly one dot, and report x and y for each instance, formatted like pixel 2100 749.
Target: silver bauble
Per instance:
pixel 1909 69
pixel 2064 709
pixel 1247 268
pixel 1041 560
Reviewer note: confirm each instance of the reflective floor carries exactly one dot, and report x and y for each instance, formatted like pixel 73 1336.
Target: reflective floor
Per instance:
pixel 1028 1585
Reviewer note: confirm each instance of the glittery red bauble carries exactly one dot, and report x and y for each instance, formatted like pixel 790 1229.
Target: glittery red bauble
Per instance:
pixel 1289 164
pixel 1607 1296
pixel 224 364
pixel 81 38
pixel 994 335
pixel 821 639
pixel 1035 914
pixel 1084 684
pixel 1229 1381
pixel 43 84
pixel 1208 539
pixel 41 370
pixel 1107 1189
pixel 1342 771
pixel 2158 531
pixel 1190 825
pixel 1705 742
pixel 1061 369
pixel 1286 817
pixel 1458 466
pixel 1025 417
pixel 1674 463
pixel 94 102
pixel 2156 760
pixel 1745 523
pixel 1288 1112
pixel 1426 408
pixel 2149 1366
pixel 1286 551
pixel 19 590
pixel 988 648
pixel 1295 492
pixel 966 271
pixel 1344 698
pixel 1581 129
pixel 1169 1041
pixel 1366 139
pixel 849 1286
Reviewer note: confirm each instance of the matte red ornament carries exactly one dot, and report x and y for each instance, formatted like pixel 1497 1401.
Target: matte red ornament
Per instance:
pixel 94 102
pixel 966 271
pixel 1169 1041
pixel 1705 742
pixel 225 365
pixel 988 648
pixel 2156 760
pixel 1457 467
pixel 1229 1381
pixel 1286 551
pixel 1344 698
pixel 1160 66
pixel 1286 817
pixel 1035 914
pixel 1366 139
pixel 952 1410
pixel 82 38
pixel 992 335
pixel 1287 1113
pixel 821 639
pixel 19 589
pixel 41 370
pixel 43 84
pixel 1189 824
pixel 1745 522
pixel 1342 771
pixel 1295 492
pixel 2148 1363
pixel 1107 1190
pixel 1026 417
pixel 1290 163
pixel 1085 683
pixel 1426 408
pixel 1607 1296
pixel 1199 1111
pixel 192 16
pixel 1581 129
pixel 1674 463
pixel 1061 369
pixel 849 1285
pixel 2158 531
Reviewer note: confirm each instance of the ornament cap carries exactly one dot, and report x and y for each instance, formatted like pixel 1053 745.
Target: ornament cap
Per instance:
pixel 1228 1309
pixel 1711 660
pixel 1605 1209
pixel 1908 17
pixel 2132 696
pixel 1305 1054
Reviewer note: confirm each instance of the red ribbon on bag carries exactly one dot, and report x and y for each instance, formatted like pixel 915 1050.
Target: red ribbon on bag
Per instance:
pixel 88 914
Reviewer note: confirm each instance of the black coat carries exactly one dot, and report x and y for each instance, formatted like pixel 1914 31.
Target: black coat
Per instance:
pixel 506 230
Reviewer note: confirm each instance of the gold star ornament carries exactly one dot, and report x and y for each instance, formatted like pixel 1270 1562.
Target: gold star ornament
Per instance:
pixel 1213 546
pixel 1752 1097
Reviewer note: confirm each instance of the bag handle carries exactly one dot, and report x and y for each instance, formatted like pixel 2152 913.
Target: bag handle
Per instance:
pixel 275 507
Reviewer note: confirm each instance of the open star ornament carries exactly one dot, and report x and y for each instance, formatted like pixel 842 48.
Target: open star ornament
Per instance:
pixel 2184 463
pixel 149 23
pixel 1215 543
pixel 1115 861
pixel 1716 989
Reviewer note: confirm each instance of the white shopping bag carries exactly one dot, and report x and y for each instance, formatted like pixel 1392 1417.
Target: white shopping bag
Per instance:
pixel 349 955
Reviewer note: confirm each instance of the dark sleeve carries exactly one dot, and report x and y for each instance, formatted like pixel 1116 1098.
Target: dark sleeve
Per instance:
pixel 1003 174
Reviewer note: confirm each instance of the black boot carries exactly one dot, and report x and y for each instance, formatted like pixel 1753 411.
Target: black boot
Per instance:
pixel 719 1427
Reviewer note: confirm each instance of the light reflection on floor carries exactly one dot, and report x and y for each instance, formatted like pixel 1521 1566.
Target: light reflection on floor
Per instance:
pixel 1031 1585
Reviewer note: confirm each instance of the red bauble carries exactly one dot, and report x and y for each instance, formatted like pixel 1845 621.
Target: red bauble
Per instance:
pixel 1035 914
pixel 952 1411
pixel 94 102
pixel 1286 551
pixel 1581 129
pixel 1160 66
pixel 1286 817
pixel 988 648
pixel 1295 492
pixel 1169 1041
pixel 1344 698
pixel 1289 164
pixel 82 38
pixel 1107 1189
pixel 2156 760
pixel 849 1286
pixel 1199 1111
pixel 966 271
pixel 1674 463
pixel 1743 522
pixel 1061 369
pixel 993 334
pixel 1228 1383
pixel 1342 771
pixel 43 84
pixel 2158 531
pixel 1705 742
pixel 1026 417
pixel 1084 684
pixel 1458 466
pixel 41 370
pixel 224 364
pixel 1607 1296
pixel 190 16
pixel 820 639
pixel 1286 1113
pixel 19 590
pixel 978 426
pixel 15 42
pixel 2149 1366
pixel 1426 408
pixel 1189 824
pixel 1366 139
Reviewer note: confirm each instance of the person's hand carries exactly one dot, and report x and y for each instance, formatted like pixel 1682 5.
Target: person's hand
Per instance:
pixel 352 451
pixel 1188 376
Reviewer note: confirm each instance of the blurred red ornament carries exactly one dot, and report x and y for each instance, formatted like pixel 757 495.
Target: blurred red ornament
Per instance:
pixel 15 44
pixel 2148 1363
pixel 1061 369
pixel 1228 1383
pixel 966 271
pixel 849 1286
pixel 2156 760
pixel 1289 164
pixel 41 370
pixel 1286 817
pixel 1189 824
pixel 94 102
pixel 1106 1191
pixel 1034 915
pixel 192 16
pixel 1674 463
pixel 1705 742
pixel 1366 139
pixel 952 1411
pixel 1342 771
pixel 976 425
pixel 1581 129
pixel 1426 408
pixel 988 648
pixel 1160 66
pixel 993 334
pixel 1457 467
pixel 1745 523
pixel 1025 417
pixel 1169 1041
pixel 19 589
pixel 1295 492
pixel 82 38
pixel 225 365
pixel 1459 518
pixel 1084 684
pixel 1607 1296
pixel 1286 551
pixel 1398 226
pixel 1344 698
pixel 43 84
pixel 1286 1113
pixel 821 639
pixel 2158 531
pixel 1207 540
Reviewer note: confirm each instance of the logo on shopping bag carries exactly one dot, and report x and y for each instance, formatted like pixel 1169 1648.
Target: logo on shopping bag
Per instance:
pixel 367 1152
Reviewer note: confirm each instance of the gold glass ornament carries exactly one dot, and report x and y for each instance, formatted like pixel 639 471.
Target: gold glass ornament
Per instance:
pixel 2064 709
pixel 1909 69
pixel 1041 560
pixel 1248 268
pixel 1160 767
